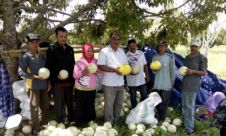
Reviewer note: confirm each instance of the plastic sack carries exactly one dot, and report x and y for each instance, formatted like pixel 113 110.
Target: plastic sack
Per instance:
pixel 20 93
pixel 2 120
pixel 144 111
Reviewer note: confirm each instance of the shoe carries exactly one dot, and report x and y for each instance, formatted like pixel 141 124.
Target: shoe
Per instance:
pixel 189 133
pixel 160 122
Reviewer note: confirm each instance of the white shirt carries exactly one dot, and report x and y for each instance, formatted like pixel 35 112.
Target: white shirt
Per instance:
pixel 113 59
pixel 136 58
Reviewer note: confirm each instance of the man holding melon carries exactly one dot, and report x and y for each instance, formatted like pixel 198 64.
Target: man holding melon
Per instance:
pixel 196 65
pixel 60 62
pixel 110 59
pixel 136 79
pixel 32 65
pixel 163 65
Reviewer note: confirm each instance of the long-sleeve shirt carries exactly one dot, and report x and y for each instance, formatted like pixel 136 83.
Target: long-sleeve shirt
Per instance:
pixel 30 64
pixel 165 77
pixel 82 81
pixel 58 59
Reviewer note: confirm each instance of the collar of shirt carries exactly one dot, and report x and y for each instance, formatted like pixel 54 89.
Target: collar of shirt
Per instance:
pixel 192 56
pixel 32 55
pixel 61 48
pixel 111 49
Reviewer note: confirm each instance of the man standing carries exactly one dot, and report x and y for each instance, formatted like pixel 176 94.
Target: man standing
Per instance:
pixel 136 81
pixel 60 56
pixel 197 66
pixel 29 64
pixel 110 58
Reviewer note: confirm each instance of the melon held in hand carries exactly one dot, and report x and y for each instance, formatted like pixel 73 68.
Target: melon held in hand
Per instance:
pixel 135 69
pixel 125 69
pixel 44 73
pixel 63 74
pixel 183 70
pixel 155 65
pixel 92 68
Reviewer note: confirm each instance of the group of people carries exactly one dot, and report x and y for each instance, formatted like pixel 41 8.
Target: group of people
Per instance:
pixel 80 85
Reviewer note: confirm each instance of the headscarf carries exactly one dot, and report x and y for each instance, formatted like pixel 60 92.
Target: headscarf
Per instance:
pixel 213 101
pixel 85 48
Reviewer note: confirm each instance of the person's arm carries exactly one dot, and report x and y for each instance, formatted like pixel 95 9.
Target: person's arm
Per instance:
pixel 147 78
pixel 102 63
pixel 172 71
pixel 24 69
pixel 202 71
pixel 79 70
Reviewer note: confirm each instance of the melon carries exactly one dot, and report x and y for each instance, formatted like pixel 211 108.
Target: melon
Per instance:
pixel 135 69
pixel 141 126
pixel 92 68
pixel 61 125
pixel 108 125
pixel 172 128
pixel 177 122
pixel 63 74
pixel 27 129
pixel 52 123
pixel 125 69
pixel 44 73
pixel 132 126
pixel 139 131
pixel 155 65
pixel 183 70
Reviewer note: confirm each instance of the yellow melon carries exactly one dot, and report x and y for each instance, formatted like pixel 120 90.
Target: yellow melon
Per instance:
pixel 125 69
pixel 155 65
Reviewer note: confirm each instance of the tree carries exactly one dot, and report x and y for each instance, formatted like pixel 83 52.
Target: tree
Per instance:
pixel 210 35
pixel 128 17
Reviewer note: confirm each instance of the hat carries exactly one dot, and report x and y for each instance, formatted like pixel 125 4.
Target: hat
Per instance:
pixel 30 37
pixel 196 42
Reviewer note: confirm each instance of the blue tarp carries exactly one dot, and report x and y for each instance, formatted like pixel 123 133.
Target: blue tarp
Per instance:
pixel 210 82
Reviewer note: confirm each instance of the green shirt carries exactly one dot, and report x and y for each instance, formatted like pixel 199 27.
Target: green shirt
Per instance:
pixel 165 77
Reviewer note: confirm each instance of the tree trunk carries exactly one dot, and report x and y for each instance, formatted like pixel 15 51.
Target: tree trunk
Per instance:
pixel 9 37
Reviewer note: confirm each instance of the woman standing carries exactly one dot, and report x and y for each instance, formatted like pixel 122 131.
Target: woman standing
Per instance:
pixel 85 86
pixel 164 78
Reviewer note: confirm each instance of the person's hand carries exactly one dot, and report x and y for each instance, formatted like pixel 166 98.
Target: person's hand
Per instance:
pixel 49 87
pixel 147 79
pixel 38 77
pixel 85 71
pixel 118 73
pixel 189 72
pixel 98 71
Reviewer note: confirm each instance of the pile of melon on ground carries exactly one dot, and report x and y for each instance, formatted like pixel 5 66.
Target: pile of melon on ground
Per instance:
pixel 171 126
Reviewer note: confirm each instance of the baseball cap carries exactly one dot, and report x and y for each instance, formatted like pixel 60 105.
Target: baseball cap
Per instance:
pixel 31 36
pixel 196 42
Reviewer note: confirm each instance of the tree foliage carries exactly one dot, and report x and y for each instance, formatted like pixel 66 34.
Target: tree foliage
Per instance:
pixel 176 20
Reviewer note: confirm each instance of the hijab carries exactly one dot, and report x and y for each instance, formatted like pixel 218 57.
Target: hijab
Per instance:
pixel 85 48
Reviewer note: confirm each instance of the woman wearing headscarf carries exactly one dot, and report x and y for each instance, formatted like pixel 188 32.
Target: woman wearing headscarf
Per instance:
pixel 85 86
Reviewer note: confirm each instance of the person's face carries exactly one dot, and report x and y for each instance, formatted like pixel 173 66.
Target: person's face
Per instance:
pixel 132 47
pixel 61 37
pixel 114 41
pixel 89 52
pixel 162 48
pixel 194 49
pixel 33 46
